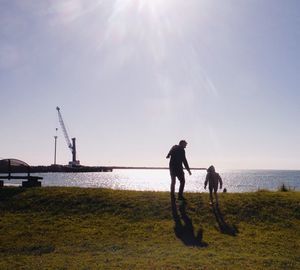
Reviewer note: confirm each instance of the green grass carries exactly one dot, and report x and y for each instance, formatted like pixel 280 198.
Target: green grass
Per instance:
pixel 76 228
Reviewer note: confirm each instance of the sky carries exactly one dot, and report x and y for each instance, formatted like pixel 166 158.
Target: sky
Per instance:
pixel 133 77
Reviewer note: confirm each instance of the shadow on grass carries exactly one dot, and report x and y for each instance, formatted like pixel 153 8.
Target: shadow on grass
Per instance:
pixel 223 226
pixel 7 193
pixel 31 249
pixel 184 229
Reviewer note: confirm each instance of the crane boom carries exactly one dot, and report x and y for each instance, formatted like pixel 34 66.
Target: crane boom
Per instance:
pixel 71 145
pixel 63 127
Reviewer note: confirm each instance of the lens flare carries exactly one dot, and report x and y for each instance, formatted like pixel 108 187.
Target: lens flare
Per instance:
pixel 159 33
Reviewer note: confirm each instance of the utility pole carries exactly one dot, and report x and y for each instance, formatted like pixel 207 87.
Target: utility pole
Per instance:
pixel 55 142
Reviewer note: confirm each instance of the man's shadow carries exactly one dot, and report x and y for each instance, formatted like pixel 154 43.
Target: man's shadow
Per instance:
pixel 184 229
pixel 223 226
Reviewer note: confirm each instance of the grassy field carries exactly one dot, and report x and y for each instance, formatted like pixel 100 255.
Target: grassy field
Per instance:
pixel 76 228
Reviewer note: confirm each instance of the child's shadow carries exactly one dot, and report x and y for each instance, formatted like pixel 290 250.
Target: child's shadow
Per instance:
pixel 184 229
pixel 224 227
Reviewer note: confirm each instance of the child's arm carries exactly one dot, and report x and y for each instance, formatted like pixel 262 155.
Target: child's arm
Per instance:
pixel 206 180
pixel 220 181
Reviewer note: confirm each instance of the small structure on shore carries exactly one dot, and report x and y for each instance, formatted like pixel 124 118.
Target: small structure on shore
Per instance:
pixel 15 169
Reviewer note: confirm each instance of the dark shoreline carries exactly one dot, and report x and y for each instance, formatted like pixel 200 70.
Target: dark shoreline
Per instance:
pixel 66 169
pixel 69 169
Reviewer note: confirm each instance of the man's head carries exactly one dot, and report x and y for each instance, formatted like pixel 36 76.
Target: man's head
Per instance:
pixel 183 143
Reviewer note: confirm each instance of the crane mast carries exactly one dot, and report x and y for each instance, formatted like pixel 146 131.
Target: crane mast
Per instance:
pixel 71 145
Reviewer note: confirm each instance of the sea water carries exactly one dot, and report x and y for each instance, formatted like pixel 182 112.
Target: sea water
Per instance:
pixel 159 180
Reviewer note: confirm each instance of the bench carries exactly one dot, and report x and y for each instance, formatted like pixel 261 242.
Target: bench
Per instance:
pixel 10 167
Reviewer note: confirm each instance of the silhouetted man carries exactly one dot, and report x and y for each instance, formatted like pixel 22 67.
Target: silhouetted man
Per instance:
pixel 177 157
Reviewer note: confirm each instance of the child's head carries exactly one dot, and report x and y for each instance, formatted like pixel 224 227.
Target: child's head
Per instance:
pixel 211 169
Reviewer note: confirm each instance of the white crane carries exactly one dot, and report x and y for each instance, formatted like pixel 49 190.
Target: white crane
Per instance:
pixel 71 145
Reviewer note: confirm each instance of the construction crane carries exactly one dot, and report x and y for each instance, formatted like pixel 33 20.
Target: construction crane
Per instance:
pixel 71 145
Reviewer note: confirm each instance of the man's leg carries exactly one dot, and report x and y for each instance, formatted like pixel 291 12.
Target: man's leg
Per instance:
pixel 173 181
pixel 181 187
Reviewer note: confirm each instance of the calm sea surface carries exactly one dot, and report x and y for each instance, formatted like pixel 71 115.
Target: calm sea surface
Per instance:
pixel 159 180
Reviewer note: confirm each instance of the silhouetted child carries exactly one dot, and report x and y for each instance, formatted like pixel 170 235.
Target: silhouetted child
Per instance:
pixel 213 179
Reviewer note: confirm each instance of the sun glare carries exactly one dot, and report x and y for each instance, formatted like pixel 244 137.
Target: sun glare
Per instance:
pixel 158 32
pixel 145 21
pixel 154 5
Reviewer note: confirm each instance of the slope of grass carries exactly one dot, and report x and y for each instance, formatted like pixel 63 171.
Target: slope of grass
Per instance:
pixel 75 228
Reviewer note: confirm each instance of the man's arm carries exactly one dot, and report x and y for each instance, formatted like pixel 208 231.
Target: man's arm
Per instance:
pixel 186 165
pixel 170 152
